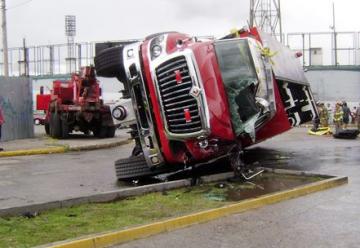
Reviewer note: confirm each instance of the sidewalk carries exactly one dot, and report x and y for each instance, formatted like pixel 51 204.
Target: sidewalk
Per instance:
pixel 42 144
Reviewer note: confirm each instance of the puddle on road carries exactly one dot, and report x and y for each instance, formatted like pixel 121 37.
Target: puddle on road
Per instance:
pixel 261 185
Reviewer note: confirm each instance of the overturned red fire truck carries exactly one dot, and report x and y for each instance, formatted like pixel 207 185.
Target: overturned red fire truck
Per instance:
pixel 192 101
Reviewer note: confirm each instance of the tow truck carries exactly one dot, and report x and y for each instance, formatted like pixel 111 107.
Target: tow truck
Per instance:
pixel 76 105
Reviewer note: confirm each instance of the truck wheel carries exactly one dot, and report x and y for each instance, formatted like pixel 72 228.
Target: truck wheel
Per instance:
pixel 133 168
pixel 110 132
pixel 55 125
pixel 109 63
pixel 95 131
pixel 51 125
pixel 64 129
pixel 100 132
pixel 47 128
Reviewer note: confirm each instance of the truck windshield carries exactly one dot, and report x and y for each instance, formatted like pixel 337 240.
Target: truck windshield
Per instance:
pixel 240 80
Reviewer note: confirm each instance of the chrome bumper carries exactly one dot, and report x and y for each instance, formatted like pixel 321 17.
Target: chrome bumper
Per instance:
pixel 145 123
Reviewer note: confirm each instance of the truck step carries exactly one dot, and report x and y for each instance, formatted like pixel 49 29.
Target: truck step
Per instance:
pixel 134 167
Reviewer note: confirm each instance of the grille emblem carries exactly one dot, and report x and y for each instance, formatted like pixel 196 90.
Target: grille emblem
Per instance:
pixel 187 115
pixel 195 91
pixel 178 77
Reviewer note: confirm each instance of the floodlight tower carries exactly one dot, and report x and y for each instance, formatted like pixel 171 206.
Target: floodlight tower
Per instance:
pixel 4 39
pixel 70 32
pixel 266 15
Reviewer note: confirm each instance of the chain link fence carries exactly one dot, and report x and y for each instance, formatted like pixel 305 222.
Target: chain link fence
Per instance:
pixel 318 48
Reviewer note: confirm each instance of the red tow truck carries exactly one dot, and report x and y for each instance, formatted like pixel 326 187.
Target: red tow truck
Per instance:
pixel 194 101
pixel 76 105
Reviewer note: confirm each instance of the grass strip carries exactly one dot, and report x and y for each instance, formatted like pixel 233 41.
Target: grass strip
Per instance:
pixel 67 223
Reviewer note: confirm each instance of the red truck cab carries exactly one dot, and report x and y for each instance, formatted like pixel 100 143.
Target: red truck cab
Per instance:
pixel 199 100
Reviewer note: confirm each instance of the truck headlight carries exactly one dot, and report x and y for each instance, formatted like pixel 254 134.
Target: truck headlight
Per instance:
pixel 156 51
pixel 130 53
pixel 157 46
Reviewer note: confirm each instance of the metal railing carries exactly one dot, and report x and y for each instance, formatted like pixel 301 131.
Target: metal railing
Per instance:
pixel 48 59
pixel 318 48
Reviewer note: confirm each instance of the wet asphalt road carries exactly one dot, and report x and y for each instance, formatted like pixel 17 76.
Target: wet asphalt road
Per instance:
pixel 43 178
pixel 325 219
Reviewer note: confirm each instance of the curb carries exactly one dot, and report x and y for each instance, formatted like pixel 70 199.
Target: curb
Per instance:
pixel 107 196
pixel 122 236
pixel 62 149
pixel 99 146
pixel 37 151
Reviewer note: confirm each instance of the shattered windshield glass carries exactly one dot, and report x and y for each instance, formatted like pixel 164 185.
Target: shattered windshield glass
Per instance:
pixel 240 81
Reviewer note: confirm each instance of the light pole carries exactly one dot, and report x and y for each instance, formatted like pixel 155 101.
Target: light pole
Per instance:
pixel 70 32
pixel 4 39
pixel 334 31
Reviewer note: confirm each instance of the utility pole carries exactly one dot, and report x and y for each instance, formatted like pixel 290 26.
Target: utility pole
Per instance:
pixel 4 39
pixel 335 34
pixel 26 59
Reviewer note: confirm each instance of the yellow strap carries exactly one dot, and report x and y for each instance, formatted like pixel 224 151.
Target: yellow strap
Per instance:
pixel 235 32
pixel 265 51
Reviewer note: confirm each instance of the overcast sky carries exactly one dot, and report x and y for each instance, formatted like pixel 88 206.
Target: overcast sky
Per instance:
pixel 42 21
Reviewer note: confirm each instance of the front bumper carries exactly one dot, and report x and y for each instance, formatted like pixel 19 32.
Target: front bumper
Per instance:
pixel 141 104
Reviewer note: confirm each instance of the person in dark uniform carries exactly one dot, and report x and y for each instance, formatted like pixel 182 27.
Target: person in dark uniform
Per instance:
pixel 346 114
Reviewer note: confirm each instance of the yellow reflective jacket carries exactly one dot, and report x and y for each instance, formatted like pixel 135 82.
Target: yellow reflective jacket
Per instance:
pixel 338 115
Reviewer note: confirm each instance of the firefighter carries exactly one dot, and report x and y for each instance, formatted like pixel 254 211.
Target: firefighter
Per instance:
pixel 330 113
pixel 346 114
pixel 338 117
pixel 323 115
pixel 357 117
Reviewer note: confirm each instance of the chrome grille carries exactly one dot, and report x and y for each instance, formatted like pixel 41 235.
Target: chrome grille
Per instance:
pixel 176 98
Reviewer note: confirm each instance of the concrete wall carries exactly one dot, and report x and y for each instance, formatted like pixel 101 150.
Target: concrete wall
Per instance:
pixel 332 85
pixel 16 103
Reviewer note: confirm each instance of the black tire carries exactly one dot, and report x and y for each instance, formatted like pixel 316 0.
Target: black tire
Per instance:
pixel 64 129
pixel 133 168
pixel 96 132
pixel 346 134
pixel 100 132
pixel 51 125
pixel 55 125
pixel 47 128
pixel 110 132
pixel 109 62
